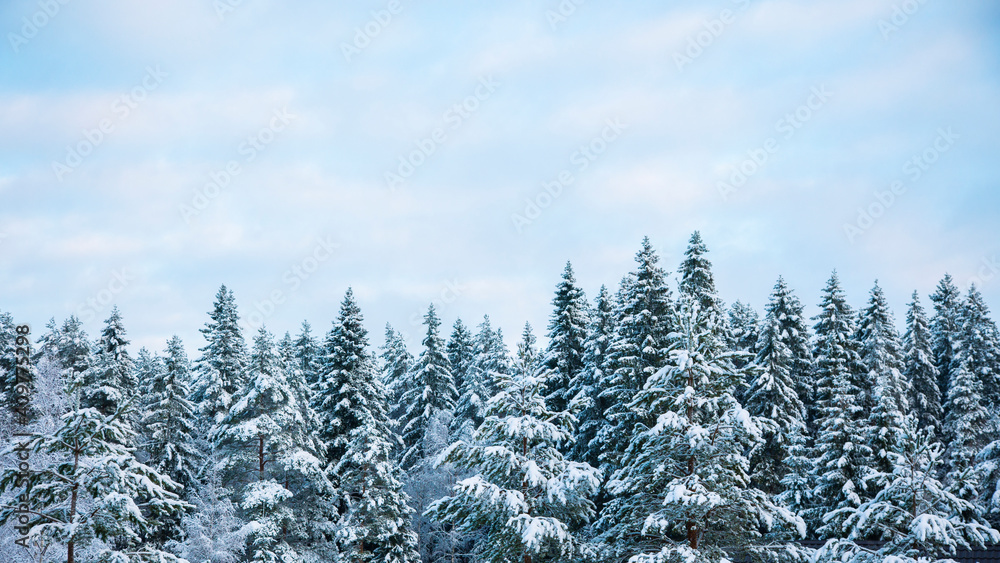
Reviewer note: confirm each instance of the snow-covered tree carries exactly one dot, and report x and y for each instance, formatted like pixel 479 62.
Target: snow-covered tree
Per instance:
pixel 684 492
pixel 773 395
pixel 978 346
pixel 432 391
pixel 376 525
pixel 221 369
pixel 308 353
pixel 882 356
pixel 697 280
pixel 213 531
pixel 842 456
pixel 638 350
pixel 592 380
pixel 490 356
pixel 919 369
pixel 526 356
pixel 345 386
pixel 461 353
pixel 8 360
pixel 525 496
pixel 91 487
pixel 264 441
pixel 395 363
pixel 744 331
pixel 945 326
pixel 110 381
pixel 916 517
pixel 563 356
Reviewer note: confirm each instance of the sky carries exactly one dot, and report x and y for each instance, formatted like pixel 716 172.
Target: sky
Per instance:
pixel 461 152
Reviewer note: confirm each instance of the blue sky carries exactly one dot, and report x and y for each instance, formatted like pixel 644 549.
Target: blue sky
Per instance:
pixel 259 144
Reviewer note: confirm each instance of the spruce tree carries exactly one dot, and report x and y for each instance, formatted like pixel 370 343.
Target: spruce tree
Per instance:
pixel 698 281
pixel 882 356
pixel 524 494
pixel 638 350
pixel 842 457
pixel 945 326
pixel 920 371
pixel 980 346
pixel 307 353
pixel 460 353
pixel 773 396
pixel 744 331
pixel 490 357
pixel 592 380
pixel 526 358
pixel 684 492
pixel 169 417
pixel 343 389
pixel 8 360
pixel 220 372
pixel 563 356
pixel 396 361
pixel 432 393
pixel 376 524
pixel 110 381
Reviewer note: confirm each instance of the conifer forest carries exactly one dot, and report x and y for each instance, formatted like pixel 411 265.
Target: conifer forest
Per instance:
pixel 657 424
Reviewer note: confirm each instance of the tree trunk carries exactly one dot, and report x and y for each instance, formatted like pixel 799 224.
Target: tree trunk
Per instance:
pixel 73 498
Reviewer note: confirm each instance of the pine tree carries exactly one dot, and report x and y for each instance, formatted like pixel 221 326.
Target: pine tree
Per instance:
pixel 265 442
pixel 92 487
pixel 524 495
pixel 684 490
pixel 460 353
pixel 343 387
pixel 638 350
pixel 221 369
pixel 526 358
pixel 376 523
pixel 919 370
pixel 591 381
pixel 913 513
pixel 882 356
pixel 73 349
pixel 432 392
pixel 563 356
pixel 979 346
pixel 110 381
pixel 396 361
pixel 773 395
pixel 8 360
pixel 945 326
pixel 842 458
pixel 697 280
pixel 169 417
pixel 307 353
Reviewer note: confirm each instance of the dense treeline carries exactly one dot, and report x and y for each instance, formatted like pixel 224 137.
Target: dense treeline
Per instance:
pixel 656 424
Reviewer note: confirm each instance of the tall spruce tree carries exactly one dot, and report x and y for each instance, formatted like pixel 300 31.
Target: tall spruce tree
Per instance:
pixel 564 355
pixel 343 389
pixel 920 371
pixel 460 352
pixel 110 381
pixel 524 494
pixel 308 354
pixel 980 346
pixel 945 326
pixel 220 372
pixel 395 363
pixel 592 380
pixel 638 350
pixel 432 392
pixel 697 280
pixel 882 356
pixel 842 457
pixel 684 492
pixel 744 331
